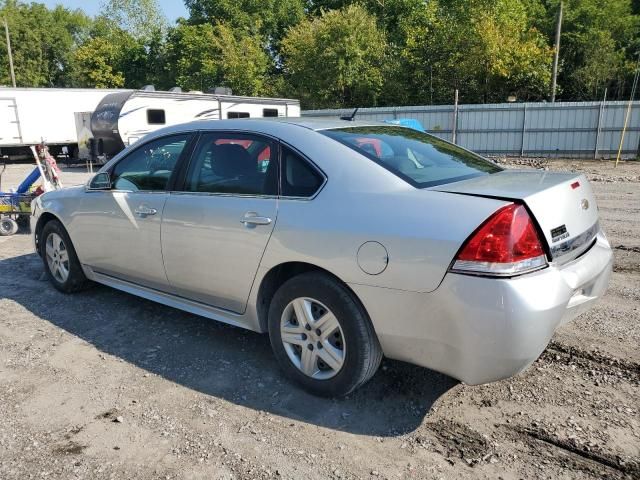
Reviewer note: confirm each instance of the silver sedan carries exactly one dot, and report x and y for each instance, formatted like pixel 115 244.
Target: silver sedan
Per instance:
pixel 344 240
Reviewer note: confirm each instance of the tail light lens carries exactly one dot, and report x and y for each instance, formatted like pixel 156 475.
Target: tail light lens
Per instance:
pixel 506 244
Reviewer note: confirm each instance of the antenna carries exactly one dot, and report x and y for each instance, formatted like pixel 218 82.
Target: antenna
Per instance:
pixel 350 118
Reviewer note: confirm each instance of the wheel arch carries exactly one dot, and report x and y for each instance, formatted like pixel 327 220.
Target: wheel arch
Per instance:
pixel 44 218
pixel 281 273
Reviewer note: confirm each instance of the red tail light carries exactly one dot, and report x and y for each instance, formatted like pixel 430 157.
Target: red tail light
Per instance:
pixel 506 244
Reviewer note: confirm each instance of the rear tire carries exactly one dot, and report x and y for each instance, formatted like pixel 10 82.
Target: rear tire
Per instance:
pixel 8 226
pixel 334 349
pixel 60 260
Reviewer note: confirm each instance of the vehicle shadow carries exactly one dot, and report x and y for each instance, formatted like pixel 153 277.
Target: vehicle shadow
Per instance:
pixel 219 360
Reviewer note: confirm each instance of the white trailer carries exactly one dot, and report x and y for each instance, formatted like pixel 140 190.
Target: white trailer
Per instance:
pixel 30 115
pixel 118 117
pixel 122 118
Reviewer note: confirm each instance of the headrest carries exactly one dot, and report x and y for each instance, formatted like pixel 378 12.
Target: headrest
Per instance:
pixel 232 160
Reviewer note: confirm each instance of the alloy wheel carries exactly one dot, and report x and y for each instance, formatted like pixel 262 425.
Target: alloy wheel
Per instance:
pixel 57 257
pixel 313 338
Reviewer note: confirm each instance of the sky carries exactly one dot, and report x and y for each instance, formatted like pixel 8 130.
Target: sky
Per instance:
pixel 171 8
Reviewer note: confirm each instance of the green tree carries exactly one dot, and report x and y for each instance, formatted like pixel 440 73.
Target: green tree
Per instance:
pixel 143 19
pixel 335 60
pixel 243 61
pixel 42 42
pixel 333 52
pixel 486 48
pixel 603 65
pixel 396 18
pixel 598 46
pixel 393 16
pixel 111 57
pixel 200 57
pixel 139 28
pixel 270 18
pixel 94 64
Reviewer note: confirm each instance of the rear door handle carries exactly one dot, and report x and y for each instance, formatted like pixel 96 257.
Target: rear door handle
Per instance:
pixel 143 211
pixel 251 219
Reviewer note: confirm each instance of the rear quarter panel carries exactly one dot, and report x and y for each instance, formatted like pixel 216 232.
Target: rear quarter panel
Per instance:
pixel 421 231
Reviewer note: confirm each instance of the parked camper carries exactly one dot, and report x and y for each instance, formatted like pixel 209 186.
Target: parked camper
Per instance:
pixel 122 118
pixel 104 121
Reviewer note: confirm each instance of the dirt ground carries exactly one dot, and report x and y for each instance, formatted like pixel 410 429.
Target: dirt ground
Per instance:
pixel 105 385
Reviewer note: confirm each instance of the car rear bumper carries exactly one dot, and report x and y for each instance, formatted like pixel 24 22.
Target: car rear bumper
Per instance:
pixel 479 329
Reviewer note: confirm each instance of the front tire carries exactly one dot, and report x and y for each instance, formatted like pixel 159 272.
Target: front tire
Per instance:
pixel 60 260
pixel 322 336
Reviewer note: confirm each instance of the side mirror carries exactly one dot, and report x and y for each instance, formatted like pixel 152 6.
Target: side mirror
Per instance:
pixel 102 181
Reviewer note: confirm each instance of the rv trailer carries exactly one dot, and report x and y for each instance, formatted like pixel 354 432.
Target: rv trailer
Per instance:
pixel 84 122
pixel 29 116
pixel 122 118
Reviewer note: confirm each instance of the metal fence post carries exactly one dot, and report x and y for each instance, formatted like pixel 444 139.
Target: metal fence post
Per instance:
pixel 524 128
pixel 600 113
pixel 638 151
pixel 455 118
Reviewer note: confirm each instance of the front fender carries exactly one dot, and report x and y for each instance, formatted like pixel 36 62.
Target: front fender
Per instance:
pixel 58 205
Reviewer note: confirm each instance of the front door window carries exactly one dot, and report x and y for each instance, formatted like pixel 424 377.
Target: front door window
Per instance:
pixel 149 167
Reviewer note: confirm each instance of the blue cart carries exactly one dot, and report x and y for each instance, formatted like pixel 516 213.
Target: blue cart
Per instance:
pixel 15 207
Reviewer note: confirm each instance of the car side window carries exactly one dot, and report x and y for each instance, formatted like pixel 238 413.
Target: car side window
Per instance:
pixel 149 167
pixel 299 178
pixel 233 164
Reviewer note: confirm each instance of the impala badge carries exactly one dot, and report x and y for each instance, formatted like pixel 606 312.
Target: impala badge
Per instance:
pixel 584 204
pixel 559 233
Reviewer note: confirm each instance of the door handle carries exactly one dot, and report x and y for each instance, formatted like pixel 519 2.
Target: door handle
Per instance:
pixel 143 211
pixel 251 219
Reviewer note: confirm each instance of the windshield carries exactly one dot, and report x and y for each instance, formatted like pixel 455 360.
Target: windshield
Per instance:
pixel 418 158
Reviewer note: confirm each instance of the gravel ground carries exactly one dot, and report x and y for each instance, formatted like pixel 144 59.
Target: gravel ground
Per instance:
pixel 106 385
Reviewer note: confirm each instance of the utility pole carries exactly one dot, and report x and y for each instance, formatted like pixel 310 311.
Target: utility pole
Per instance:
pixel 13 75
pixel 431 84
pixel 556 54
pixel 629 106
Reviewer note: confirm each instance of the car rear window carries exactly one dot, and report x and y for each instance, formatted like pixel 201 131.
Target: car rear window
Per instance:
pixel 418 158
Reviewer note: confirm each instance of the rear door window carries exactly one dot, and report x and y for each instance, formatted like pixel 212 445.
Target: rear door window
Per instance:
pixel 241 164
pixel 419 158
pixel 299 177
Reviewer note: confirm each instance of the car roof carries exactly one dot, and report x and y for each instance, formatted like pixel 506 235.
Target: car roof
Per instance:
pixel 325 123
pixel 265 125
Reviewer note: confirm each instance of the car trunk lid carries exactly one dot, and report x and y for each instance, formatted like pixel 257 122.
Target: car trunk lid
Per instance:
pixel 563 205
